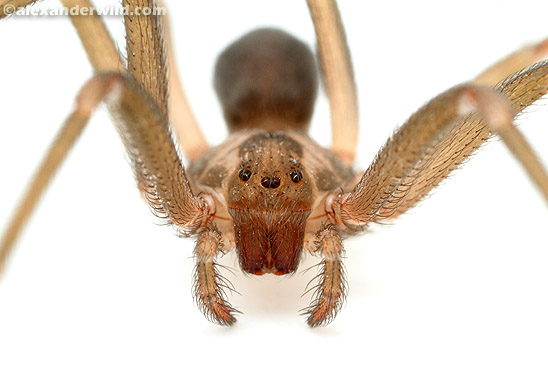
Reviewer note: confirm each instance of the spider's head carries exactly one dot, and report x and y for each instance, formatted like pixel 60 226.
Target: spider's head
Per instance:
pixel 269 199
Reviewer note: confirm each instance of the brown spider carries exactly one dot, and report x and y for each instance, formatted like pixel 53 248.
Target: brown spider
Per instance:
pixel 269 266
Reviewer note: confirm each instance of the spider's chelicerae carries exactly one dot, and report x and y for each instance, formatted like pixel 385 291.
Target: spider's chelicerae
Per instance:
pixel 241 174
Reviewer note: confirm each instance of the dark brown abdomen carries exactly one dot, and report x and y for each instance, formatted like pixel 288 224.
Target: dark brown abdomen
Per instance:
pixel 267 79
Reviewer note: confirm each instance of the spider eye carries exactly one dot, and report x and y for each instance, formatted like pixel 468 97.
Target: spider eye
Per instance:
pixel 296 176
pixel 245 174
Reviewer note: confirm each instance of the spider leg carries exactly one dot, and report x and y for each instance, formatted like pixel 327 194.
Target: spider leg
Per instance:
pixel 100 48
pixel 146 61
pixel 104 57
pixel 147 64
pixel 95 38
pixel 156 164
pixel 185 126
pixel 6 6
pixel 465 137
pixel 86 102
pixel 330 291
pixel 386 188
pixel 513 63
pixel 145 52
pixel 209 285
pixel 483 100
pixel 338 74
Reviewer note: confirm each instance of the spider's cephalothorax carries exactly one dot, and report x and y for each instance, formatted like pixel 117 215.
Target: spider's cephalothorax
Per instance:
pixel 269 199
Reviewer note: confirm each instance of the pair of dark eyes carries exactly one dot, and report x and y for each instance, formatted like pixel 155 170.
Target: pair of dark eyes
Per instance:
pixel 295 175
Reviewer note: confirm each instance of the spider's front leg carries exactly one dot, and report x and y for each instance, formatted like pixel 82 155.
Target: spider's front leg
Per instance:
pixel 331 288
pixel 430 144
pixel 209 285
pixel 155 162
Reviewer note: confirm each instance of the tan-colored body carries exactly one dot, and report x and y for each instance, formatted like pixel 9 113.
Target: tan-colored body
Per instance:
pixel 212 172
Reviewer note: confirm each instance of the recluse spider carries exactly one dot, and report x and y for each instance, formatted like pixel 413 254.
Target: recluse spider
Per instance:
pixel 112 204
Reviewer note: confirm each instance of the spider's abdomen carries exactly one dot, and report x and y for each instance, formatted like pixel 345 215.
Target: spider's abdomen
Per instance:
pixel 267 79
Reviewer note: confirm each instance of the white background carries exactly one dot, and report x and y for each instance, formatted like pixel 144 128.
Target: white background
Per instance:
pixel 95 279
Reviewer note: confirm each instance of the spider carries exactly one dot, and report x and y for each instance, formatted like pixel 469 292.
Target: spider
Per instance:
pixel 242 179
